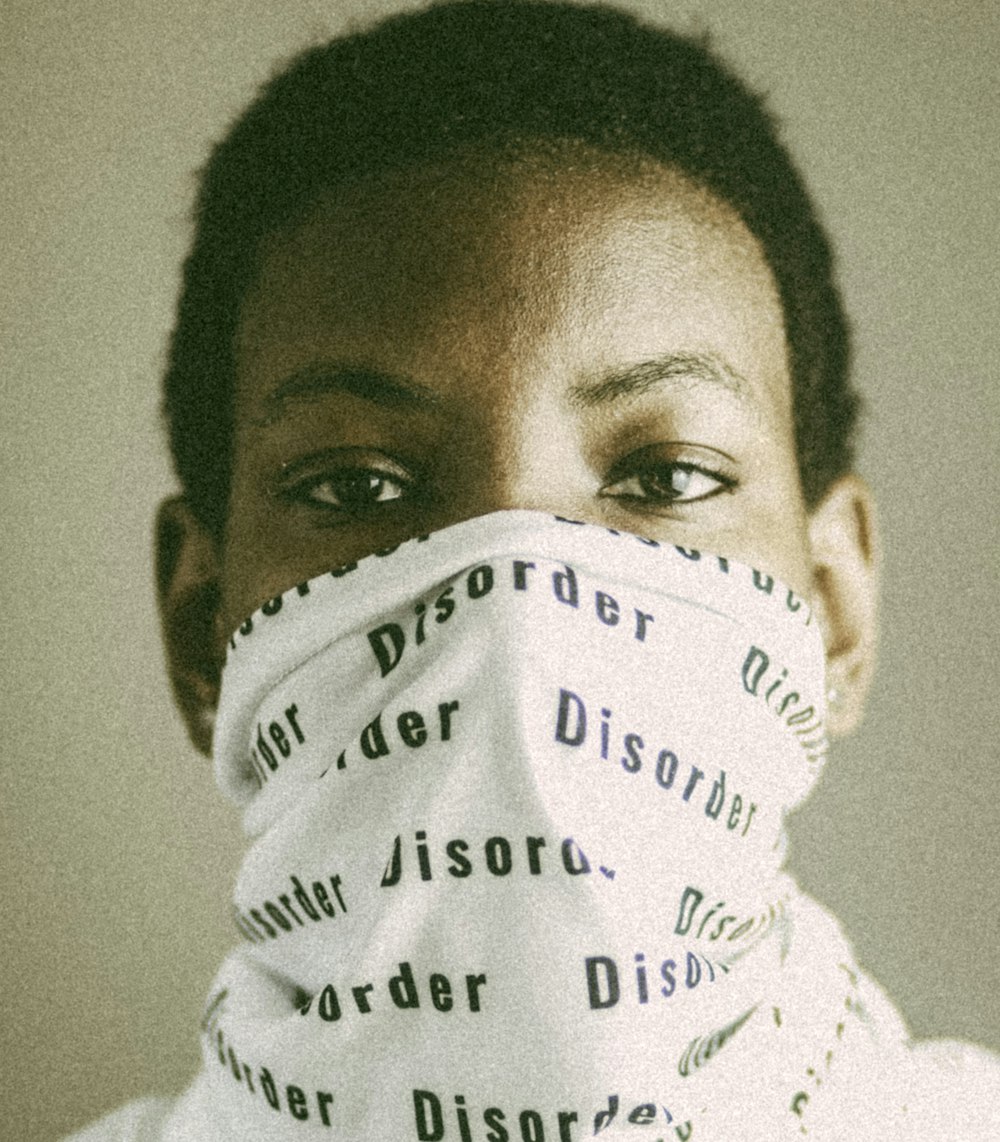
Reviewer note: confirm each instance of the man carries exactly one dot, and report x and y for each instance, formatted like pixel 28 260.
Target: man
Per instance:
pixel 488 258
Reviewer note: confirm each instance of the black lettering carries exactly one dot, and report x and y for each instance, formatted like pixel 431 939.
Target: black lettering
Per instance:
pixel 290 713
pixel 270 1090
pixel 445 710
pixel 387 642
pixel 685 914
pixel 493 1116
pixel 641 619
pixel 263 923
pixel 461 866
pixel 286 901
pixel 754 666
pixel 632 762
pixel 763 582
pixel 643 1115
pixel 789 698
pixel 800 716
pixel 562 721
pixel 324 1098
pixel 498 856
pixel 403 988
pixel 246 928
pixel 532 1129
pixel 373 743
pixel 302 899
pixel 279 738
pixel 265 750
pixel 717 798
pixel 360 994
pixel 328 1007
pixel 535 844
pixel 604 1118
pixel 564 586
pixel 578 866
pixel 609 995
pixel 666 779
pixel 640 977
pixel 696 776
pixel 322 899
pixel 412 729
pixel 608 610
pixel 423 856
pixel 566 1120
pixel 335 883
pixel 463 1118
pixel 429 1120
pixel 521 568
pixel 440 987
pixel 472 985
pixel 394 868
pixel 444 605
pixel 735 808
pixel 479 581
pixel 296 1098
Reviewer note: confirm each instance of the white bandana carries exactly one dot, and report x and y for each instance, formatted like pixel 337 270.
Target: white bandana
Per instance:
pixel 515 792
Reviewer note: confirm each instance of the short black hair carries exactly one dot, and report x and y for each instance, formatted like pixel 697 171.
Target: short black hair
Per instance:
pixel 425 84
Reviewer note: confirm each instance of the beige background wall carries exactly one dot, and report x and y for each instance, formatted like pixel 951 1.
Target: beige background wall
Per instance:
pixel 117 853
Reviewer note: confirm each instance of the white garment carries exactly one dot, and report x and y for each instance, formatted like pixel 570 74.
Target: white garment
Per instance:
pixel 516 796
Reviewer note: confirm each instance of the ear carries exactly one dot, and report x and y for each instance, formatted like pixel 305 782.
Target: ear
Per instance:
pixel 846 559
pixel 187 581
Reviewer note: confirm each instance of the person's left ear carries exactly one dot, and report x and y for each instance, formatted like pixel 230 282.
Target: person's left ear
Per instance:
pixel 187 581
pixel 846 559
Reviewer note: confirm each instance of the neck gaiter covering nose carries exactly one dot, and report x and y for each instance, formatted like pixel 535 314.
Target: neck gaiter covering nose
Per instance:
pixel 515 794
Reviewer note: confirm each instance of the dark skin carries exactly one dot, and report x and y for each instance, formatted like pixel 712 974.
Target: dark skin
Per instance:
pixel 576 334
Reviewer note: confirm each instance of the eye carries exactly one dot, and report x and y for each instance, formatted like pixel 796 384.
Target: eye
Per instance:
pixel 650 478
pixel 355 489
pixel 345 485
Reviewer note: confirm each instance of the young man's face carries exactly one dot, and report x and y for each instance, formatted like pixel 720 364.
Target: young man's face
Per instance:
pixel 556 335
pixel 463 340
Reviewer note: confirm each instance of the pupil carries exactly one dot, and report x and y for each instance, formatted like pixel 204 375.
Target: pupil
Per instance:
pixel 667 481
pixel 362 487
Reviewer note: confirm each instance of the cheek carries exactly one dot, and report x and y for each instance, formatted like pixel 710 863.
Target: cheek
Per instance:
pixel 256 563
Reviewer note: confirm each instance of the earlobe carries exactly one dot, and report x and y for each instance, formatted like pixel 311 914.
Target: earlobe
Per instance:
pixel 187 582
pixel 846 558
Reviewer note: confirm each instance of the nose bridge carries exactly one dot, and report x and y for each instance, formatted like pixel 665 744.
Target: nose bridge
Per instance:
pixel 526 455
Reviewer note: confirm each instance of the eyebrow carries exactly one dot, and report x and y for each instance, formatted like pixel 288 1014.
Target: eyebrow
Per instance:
pixel 686 369
pixel 315 381
pixel 319 380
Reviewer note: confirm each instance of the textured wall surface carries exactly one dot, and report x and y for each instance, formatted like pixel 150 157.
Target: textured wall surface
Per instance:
pixel 117 852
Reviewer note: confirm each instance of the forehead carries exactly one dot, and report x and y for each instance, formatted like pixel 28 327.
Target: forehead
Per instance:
pixel 557 260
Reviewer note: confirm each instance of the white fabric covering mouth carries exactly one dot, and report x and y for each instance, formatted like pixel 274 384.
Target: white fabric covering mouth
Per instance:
pixel 516 794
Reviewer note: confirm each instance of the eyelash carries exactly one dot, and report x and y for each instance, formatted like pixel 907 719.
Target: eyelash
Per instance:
pixel 642 468
pixel 304 489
